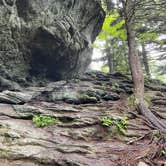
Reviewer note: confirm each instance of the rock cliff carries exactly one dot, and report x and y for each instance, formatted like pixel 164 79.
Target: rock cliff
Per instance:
pixel 89 120
pixel 47 38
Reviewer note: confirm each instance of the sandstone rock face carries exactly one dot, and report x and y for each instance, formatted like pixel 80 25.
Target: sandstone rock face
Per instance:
pixel 50 38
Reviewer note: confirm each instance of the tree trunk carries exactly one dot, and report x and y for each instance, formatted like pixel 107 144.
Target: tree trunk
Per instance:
pixel 145 60
pixel 110 60
pixel 135 66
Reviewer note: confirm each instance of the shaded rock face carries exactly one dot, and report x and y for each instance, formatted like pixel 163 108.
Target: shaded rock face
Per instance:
pixel 50 38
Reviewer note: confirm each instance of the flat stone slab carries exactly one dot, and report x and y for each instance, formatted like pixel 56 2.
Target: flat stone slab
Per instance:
pixel 78 138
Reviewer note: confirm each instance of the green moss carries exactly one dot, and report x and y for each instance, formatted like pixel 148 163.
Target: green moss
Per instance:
pixel 87 99
pixel 115 86
pixel 92 93
pixel 120 123
pixel 105 69
pixel 89 96
pixel 104 87
pixel 76 80
pixel 43 120
pixel 147 99
pixel 147 80
pixel 131 101
pixel 4 154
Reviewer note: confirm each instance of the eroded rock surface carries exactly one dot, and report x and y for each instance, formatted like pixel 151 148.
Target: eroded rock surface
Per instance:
pixel 47 38
pixel 78 138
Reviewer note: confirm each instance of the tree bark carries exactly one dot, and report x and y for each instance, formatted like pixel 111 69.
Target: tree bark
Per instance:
pixel 135 66
pixel 145 60
pixel 110 59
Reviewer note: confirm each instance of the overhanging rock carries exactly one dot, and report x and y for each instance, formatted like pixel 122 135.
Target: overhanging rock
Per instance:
pixel 49 38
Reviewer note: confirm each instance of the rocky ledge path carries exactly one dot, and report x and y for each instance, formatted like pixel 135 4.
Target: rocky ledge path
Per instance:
pixel 79 138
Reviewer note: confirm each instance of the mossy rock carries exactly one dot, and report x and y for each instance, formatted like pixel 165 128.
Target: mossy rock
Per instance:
pixel 148 96
pixel 113 97
pixel 4 154
pixel 84 99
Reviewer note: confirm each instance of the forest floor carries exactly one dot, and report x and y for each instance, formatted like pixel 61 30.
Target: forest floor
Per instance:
pixel 83 135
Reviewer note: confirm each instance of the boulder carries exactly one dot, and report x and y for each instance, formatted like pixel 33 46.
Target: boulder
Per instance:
pixel 47 38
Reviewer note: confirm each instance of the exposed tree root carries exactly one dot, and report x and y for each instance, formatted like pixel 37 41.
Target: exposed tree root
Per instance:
pixel 145 111
pixel 140 138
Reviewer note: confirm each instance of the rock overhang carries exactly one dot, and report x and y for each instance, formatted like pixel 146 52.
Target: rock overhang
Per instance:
pixel 51 38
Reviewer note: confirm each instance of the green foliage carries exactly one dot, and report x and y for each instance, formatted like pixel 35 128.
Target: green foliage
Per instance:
pixel 113 38
pixel 120 123
pixel 161 77
pixel 163 153
pixel 147 80
pixel 104 87
pixel 111 29
pixel 104 6
pixel 43 120
pixel 115 85
pixel 105 69
pixel 105 121
pixel 148 37
pixel 148 26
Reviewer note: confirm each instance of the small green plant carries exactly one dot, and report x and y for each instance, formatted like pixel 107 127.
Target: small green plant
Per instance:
pixel 76 80
pixel 105 121
pixel 115 85
pixel 147 80
pixel 120 123
pixel 104 87
pixel 163 153
pixel 105 69
pixel 43 120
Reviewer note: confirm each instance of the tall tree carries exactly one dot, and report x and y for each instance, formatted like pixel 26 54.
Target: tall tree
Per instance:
pixel 149 21
pixel 128 9
pixel 113 39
